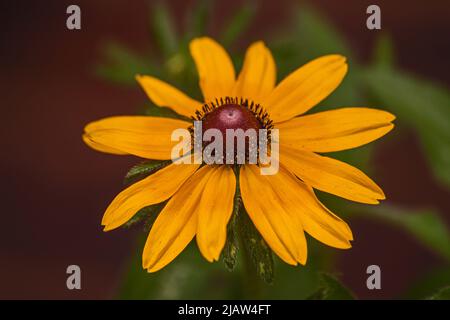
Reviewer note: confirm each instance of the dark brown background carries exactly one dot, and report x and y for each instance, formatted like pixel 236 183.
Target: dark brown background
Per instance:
pixel 55 189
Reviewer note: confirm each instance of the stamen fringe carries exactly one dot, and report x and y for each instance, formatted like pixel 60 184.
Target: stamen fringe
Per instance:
pixel 259 112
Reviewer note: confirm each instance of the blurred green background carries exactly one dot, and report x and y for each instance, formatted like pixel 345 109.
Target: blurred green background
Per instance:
pixel 56 189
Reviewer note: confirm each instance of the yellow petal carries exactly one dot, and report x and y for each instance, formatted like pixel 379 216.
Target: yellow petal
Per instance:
pixel 101 148
pixel 282 230
pixel 176 225
pixel 336 130
pixel 214 211
pixel 330 175
pixel 146 137
pixel 299 199
pixel 258 75
pixel 164 95
pixel 214 66
pixel 306 87
pixel 154 189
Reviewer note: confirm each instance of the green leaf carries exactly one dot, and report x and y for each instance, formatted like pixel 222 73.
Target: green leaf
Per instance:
pixel 238 23
pixel 147 215
pixel 163 27
pixel 318 36
pixel 197 18
pixel 429 282
pixel 231 249
pixel 443 294
pixel 425 225
pixel 384 52
pixel 259 251
pixel 144 169
pixel 122 65
pixel 420 105
pixel 315 36
pixel 331 289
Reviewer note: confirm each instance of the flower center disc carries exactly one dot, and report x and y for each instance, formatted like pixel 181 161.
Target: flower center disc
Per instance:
pixel 231 116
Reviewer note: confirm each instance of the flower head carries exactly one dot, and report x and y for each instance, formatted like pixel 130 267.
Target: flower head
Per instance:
pixel 200 197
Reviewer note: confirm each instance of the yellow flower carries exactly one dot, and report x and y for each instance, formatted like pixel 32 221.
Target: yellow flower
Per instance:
pixel 281 206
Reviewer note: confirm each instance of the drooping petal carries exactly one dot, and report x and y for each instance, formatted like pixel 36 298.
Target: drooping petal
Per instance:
pixel 336 130
pixel 214 66
pixel 282 230
pixel 306 87
pixel 176 225
pixel 146 137
pixel 258 75
pixel 298 199
pixel 154 189
pixel 330 175
pixel 214 211
pixel 165 95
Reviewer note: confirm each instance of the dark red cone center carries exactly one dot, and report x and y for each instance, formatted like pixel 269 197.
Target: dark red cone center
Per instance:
pixel 231 116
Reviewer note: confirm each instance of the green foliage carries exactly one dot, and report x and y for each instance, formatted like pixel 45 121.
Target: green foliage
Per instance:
pixel 319 36
pixel 143 170
pixel 384 52
pixel 429 283
pixel 311 36
pixel 425 225
pixel 238 23
pixel 330 288
pixel 230 251
pixel 255 246
pixel 163 29
pixel 422 106
pixel 121 65
pixel 197 18
pixel 147 215
pixel 443 294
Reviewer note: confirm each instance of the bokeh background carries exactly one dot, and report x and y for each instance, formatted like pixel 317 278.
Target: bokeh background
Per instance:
pixel 53 81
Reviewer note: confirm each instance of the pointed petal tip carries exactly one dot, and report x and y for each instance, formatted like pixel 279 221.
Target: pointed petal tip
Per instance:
pixel 259 43
pixel 153 267
pixel 210 253
pixel 146 265
pixel 138 77
pixel 381 194
pixel 105 221
pixel 350 237
pixel 392 116
pixel 109 226
pixel 303 260
pixel 205 252
pixel 149 270
pixel 337 56
pixel 292 262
